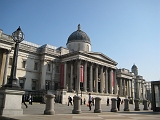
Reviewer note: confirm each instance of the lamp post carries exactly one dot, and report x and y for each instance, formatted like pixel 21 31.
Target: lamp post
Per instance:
pixel 18 37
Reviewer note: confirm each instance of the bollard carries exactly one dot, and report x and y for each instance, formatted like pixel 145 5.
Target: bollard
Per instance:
pixel 136 101
pixel 126 105
pixel 114 103
pixel 49 105
pixel 97 105
pixel 76 105
pixel 145 102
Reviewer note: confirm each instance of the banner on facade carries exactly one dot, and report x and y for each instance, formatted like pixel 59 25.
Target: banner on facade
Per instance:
pixel 82 74
pixel 62 76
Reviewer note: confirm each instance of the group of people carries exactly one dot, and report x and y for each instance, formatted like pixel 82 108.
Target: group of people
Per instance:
pixel 91 101
pixel 24 98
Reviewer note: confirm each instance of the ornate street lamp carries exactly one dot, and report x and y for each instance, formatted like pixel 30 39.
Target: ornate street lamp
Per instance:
pixel 18 37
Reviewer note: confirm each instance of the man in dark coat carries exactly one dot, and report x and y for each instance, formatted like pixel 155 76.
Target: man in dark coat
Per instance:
pixel 24 100
pixel 118 102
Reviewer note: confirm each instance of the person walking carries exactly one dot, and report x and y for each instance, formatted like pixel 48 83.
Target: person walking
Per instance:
pixel 30 99
pixel 107 101
pixel 118 102
pixel 24 100
pixel 90 101
pixel 69 100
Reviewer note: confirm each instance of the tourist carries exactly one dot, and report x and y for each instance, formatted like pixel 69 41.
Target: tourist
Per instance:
pixel 30 99
pixel 118 102
pixel 69 100
pixel 107 101
pixel 24 100
pixel 90 101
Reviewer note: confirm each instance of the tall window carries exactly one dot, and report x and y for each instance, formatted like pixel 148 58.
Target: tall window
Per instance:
pixel 22 82
pixel 57 69
pixel 36 66
pixel 48 67
pixel 10 60
pixel 87 48
pixel 78 46
pixel 34 84
pixel 48 85
pixel 23 64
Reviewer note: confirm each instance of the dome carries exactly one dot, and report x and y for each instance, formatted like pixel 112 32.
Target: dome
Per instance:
pixel 134 67
pixel 78 35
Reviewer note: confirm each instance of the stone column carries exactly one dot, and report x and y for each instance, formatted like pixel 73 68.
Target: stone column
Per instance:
pixel 126 105
pixel 120 86
pixel 106 81
pixel 124 86
pixel 6 67
pixel 91 79
pixel 114 104
pixel 85 77
pixel 43 74
pixel 2 65
pixel 110 81
pixel 136 101
pixel 49 105
pixel 137 89
pixel 101 82
pixel 76 106
pixel 71 78
pixel 96 78
pixel 145 102
pixel 65 74
pixel 97 105
pixel 129 88
pixel 78 76
pixel 115 82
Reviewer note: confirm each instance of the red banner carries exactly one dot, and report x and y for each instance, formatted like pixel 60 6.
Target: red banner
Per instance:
pixel 82 74
pixel 62 76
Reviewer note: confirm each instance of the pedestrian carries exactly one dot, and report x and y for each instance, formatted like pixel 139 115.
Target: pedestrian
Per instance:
pixel 30 99
pixel 69 100
pixel 118 102
pixel 24 100
pixel 84 101
pixel 107 101
pixel 90 101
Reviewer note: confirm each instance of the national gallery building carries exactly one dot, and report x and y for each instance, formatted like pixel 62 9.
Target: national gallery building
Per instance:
pixel 71 70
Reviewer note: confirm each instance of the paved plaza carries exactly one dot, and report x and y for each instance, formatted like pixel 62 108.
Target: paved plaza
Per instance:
pixel 64 112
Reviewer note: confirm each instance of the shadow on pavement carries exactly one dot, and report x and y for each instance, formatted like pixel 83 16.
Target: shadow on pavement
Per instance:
pixel 7 118
pixel 141 112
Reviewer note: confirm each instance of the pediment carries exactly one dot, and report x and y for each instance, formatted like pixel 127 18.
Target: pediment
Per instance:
pixel 102 57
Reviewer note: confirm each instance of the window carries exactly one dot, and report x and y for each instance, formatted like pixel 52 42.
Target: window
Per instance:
pixel 48 84
pixel 78 46
pixel 34 84
pixel 57 69
pixel 48 67
pixel 87 48
pixel 55 86
pixel 23 64
pixel 36 66
pixel 22 82
pixel 10 61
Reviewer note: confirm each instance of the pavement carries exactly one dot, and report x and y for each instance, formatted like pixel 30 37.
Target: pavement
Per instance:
pixel 64 112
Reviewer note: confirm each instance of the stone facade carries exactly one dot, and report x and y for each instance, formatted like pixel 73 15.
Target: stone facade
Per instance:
pixel 73 69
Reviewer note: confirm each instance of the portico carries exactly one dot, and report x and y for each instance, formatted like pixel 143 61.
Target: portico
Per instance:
pixel 92 74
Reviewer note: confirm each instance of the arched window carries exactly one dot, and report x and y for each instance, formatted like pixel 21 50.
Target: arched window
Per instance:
pixel 78 46
pixel 87 48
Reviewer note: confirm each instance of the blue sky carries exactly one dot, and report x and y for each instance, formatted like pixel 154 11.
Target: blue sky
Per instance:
pixel 127 31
